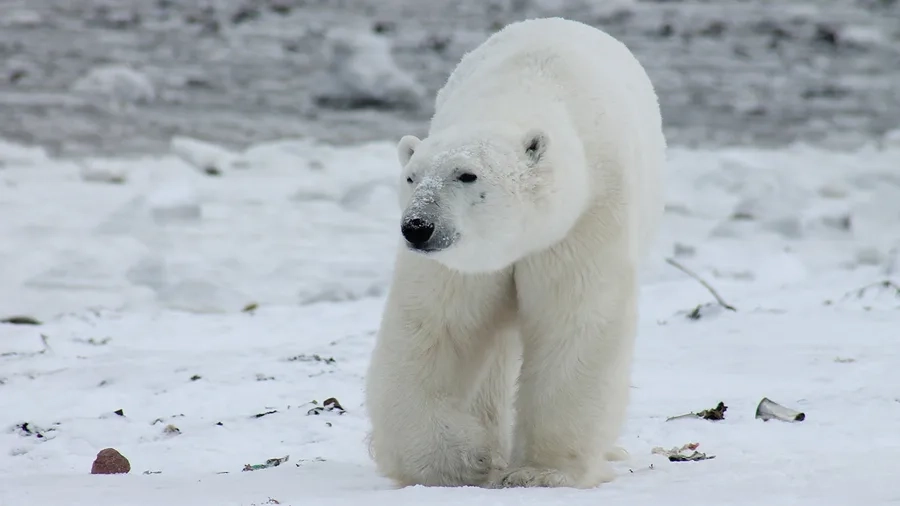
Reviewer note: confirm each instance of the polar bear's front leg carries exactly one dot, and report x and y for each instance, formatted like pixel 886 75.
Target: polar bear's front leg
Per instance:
pixel 439 331
pixel 578 318
pixel 493 403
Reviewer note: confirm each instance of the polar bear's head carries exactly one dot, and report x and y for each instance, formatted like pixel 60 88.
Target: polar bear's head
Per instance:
pixel 480 201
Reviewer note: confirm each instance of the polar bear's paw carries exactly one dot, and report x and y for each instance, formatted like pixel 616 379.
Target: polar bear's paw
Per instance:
pixel 455 466
pixel 616 454
pixel 532 477
pixel 455 452
pixel 527 476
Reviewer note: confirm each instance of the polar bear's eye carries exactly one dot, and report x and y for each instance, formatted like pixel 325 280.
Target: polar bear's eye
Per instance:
pixel 467 177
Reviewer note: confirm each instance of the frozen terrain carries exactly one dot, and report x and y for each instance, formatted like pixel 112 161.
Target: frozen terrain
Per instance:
pixel 202 287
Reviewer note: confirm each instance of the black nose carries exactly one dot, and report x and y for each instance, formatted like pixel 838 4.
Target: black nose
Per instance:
pixel 417 231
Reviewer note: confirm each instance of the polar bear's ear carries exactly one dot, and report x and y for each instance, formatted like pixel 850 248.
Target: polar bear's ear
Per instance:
pixel 535 145
pixel 406 147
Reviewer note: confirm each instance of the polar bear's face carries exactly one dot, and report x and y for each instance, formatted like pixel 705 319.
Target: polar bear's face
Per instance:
pixel 479 205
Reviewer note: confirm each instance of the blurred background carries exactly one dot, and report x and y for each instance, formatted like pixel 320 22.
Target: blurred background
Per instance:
pixel 202 155
pixel 90 76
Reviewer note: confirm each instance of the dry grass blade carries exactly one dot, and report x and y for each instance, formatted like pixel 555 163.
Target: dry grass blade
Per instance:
pixel 700 280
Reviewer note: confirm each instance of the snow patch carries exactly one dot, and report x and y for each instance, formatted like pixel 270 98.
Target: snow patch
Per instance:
pixel 362 73
pixel 205 156
pixel 864 36
pixel 117 83
pixel 891 139
pixel 104 171
pixel 13 154
pixel 174 201
pixel 22 18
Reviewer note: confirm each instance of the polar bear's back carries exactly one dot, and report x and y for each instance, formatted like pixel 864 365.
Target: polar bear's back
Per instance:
pixel 531 37
pixel 531 70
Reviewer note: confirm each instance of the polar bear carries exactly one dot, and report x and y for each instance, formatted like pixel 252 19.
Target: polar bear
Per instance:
pixel 503 356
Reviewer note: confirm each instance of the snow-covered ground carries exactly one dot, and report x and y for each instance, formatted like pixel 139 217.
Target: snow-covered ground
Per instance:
pixel 206 287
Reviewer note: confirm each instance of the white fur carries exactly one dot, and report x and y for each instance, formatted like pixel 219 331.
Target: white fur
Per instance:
pixel 536 281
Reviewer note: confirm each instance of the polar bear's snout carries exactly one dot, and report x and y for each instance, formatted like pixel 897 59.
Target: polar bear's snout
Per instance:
pixel 427 236
pixel 427 232
pixel 417 231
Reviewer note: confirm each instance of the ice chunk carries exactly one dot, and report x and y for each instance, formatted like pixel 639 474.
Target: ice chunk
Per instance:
pixel 16 154
pixel 103 171
pixel 205 156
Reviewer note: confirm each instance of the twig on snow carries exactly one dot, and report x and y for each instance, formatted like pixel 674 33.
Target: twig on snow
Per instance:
pixel 886 284
pixel 716 413
pixel 700 280
pixel 44 340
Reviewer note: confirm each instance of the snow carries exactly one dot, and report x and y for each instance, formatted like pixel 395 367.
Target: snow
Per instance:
pixel 22 18
pixel 117 83
pixel 892 139
pixel 205 156
pixel 362 71
pixel 188 298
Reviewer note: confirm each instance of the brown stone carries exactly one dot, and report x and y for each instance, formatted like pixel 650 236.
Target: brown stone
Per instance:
pixel 110 461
